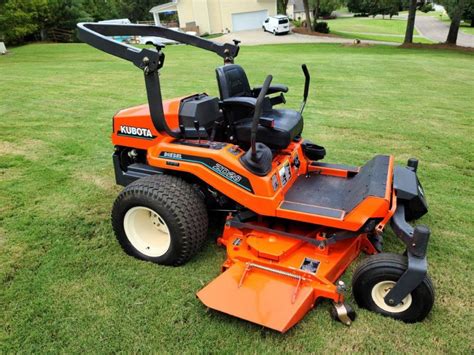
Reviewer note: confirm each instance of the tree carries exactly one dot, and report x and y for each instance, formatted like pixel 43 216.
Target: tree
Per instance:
pixel 455 9
pixel 102 9
pixel 387 7
pixel 138 10
pixel 19 19
pixel 374 7
pixel 316 11
pixel 410 23
pixel 324 8
pixel 308 16
pixel 468 14
pixel 281 6
pixel 362 7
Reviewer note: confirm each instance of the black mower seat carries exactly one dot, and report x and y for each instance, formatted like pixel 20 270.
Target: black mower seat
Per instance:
pixel 287 125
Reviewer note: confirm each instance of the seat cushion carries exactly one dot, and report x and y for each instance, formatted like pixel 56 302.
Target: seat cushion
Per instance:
pixel 288 124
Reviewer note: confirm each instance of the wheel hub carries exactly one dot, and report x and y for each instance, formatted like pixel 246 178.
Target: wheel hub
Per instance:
pixel 147 231
pixel 381 289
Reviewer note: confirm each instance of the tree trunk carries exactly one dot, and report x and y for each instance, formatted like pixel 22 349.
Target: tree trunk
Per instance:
pixel 308 16
pixel 455 23
pixel 284 5
pixel 453 31
pixel 410 22
pixel 316 13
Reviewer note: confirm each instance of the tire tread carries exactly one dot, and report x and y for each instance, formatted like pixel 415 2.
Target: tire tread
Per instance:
pixel 184 203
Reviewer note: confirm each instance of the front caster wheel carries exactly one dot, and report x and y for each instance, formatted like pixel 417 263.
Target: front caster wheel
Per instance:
pixel 377 275
pixel 161 219
pixel 342 312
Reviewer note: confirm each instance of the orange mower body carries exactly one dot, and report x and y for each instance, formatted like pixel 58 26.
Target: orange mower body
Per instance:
pixel 291 224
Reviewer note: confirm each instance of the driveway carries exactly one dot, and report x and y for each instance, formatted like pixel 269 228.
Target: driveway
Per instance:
pixel 436 30
pixel 255 37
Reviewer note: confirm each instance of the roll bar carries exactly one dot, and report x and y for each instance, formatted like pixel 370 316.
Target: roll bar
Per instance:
pixel 150 61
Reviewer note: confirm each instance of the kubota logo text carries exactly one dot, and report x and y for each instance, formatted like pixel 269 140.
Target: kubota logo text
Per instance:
pixel 136 132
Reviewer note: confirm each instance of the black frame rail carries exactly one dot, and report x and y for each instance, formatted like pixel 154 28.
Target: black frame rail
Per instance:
pixel 99 35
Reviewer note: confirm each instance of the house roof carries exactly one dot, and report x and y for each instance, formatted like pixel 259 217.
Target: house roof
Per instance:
pixel 169 6
pixel 298 5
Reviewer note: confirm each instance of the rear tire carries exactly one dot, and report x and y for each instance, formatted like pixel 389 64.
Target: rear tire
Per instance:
pixel 376 275
pixel 161 219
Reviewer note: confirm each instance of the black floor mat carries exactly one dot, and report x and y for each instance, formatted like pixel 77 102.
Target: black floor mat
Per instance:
pixel 331 195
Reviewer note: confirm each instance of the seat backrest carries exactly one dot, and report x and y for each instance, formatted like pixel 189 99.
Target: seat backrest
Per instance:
pixel 232 81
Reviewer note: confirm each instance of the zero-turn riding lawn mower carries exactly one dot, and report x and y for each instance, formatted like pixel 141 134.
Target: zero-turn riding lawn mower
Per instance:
pixel 294 224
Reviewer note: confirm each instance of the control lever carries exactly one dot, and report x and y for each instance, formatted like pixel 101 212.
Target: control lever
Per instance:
pixel 182 130
pixel 196 127
pixel 306 86
pixel 214 130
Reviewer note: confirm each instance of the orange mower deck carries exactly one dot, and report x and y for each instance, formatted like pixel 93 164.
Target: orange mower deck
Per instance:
pixel 268 280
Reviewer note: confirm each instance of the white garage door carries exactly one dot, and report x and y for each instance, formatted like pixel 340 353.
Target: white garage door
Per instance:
pixel 248 20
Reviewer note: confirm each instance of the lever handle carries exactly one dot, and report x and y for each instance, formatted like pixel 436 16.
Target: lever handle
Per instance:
pixel 307 80
pixel 258 113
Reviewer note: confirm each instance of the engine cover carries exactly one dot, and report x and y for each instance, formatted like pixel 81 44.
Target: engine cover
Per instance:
pixel 201 108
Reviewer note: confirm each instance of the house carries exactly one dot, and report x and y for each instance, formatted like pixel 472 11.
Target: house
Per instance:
pixel 295 10
pixel 218 16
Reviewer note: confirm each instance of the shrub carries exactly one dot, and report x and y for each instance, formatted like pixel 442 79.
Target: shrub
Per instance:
pixel 426 7
pixel 296 23
pixel 321 27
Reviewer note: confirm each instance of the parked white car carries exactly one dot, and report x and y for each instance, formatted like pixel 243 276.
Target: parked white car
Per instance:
pixel 276 24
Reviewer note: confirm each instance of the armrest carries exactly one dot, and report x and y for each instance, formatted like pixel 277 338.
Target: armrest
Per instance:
pixel 240 101
pixel 271 90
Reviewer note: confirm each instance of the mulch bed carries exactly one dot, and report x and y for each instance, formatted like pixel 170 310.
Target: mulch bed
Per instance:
pixel 437 46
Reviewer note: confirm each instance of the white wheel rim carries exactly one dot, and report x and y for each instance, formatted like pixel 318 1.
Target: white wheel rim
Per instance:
pixel 147 231
pixel 380 290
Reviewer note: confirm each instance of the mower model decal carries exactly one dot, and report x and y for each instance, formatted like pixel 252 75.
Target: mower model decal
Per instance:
pixel 135 132
pixel 274 182
pixel 285 173
pixel 211 164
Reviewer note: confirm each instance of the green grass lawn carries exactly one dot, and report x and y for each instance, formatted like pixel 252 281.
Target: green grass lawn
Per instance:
pixel 465 26
pixel 373 29
pixel 66 286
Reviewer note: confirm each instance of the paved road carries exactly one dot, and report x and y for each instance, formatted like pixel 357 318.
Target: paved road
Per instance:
pixel 255 37
pixel 436 30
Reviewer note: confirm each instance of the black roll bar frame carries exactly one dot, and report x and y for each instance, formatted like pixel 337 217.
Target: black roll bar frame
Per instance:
pixel 99 35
